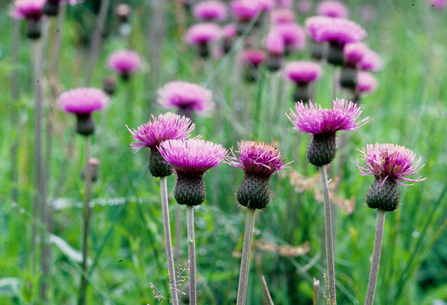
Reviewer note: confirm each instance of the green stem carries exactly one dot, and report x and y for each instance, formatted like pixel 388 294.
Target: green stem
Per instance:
pixel 375 258
pixel 328 235
pixel 191 255
pixel 246 252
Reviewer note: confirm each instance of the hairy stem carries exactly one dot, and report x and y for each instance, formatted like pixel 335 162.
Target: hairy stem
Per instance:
pixel 328 235
pixel 375 258
pixel 191 255
pixel 246 252
pixel 266 288
pixel 86 222
pixel 168 241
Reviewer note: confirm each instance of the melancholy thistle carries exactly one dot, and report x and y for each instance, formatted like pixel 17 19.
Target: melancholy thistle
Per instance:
pixel 275 49
pixel 187 98
pixel 259 161
pixel 302 73
pixel 125 62
pixel 323 124
pixel 334 9
pixel 191 159
pixel 82 102
pixel 282 15
pixel 252 60
pixel 367 83
pixel 31 10
pixel 318 49
pixel 201 35
pixel 210 11
pixel 244 11
pixel 168 126
pixel 229 34
pixel 293 35
pixel 371 61
pixel 390 164
pixel 354 53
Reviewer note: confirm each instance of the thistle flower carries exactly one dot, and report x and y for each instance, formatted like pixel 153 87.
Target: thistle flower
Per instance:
pixel 186 97
pixel 312 24
pixel 123 11
pixel 125 62
pixel 304 6
pixel 284 3
pixel 168 126
pixel 31 10
pixel 265 5
pixel 371 61
pixel 244 11
pixel 367 83
pixel 275 48
pixel 293 35
pixel 338 32
pixel 210 11
pixel 201 35
pixel 389 164
pixel 354 52
pixel 323 124
pixel 282 15
pixel 439 4
pixel 334 9
pixel 252 60
pixel 191 159
pixel 259 161
pixel 302 73
pixel 82 102
pixel 228 33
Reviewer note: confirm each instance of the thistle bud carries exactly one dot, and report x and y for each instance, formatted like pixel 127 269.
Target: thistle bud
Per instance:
pixel 34 28
pixel 322 149
pixel 190 190
pixel 85 125
pixel 335 55
pixel 254 192
pixel 158 167
pixel 383 195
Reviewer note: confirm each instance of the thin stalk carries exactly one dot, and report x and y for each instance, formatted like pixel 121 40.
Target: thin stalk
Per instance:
pixel 178 232
pixel 375 258
pixel 328 235
pixel 86 223
pixel 168 241
pixel 316 285
pixel 246 252
pixel 38 166
pixel 266 288
pixel 191 255
pixel 334 82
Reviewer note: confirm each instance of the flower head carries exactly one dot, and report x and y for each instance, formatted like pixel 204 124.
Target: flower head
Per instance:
pixel 192 157
pixel 304 6
pixel 292 34
pixel 354 52
pixel 282 15
pixel 274 43
pixel 367 83
pixel 202 33
pixel 338 30
pixel 265 5
pixel 124 61
pixel 310 118
pixel 389 161
pixel 334 9
pixel 439 4
pixel 302 71
pixel 29 9
pixel 210 11
pixel 254 57
pixel 168 126
pixel 229 31
pixel 371 61
pixel 258 159
pixel 83 100
pixel 244 10
pixel 185 96
pixel 285 3
pixel 312 24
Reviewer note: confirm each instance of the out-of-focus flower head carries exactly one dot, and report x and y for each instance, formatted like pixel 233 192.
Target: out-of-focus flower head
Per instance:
pixel 244 10
pixel 124 61
pixel 210 11
pixel 282 15
pixel 367 83
pixel 229 31
pixel 371 61
pixel 334 9
pixel 274 43
pixel 354 52
pixel 83 100
pixel 203 33
pixel 292 34
pixel 304 6
pixel 254 57
pixel 302 71
pixel 27 9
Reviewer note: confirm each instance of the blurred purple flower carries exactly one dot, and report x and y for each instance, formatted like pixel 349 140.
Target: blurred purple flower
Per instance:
pixel 244 10
pixel 304 6
pixel 282 15
pixel 203 33
pixel 124 62
pixel 371 61
pixel 27 9
pixel 254 57
pixel 210 11
pixel 229 31
pixel 354 52
pixel 274 43
pixel 83 100
pixel 292 34
pixel 334 9
pixel 302 71
pixel 367 83
pixel 338 30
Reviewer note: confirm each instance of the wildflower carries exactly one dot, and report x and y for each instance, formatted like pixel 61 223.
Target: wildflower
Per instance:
pixel 259 161
pixel 210 11
pixel 252 60
pixel 244 11
pixel 371 61
pixel 228 33
pixel 282 15
pixel 334 9
pixel 165 127
pixel 304 6
pixel 354 52
pixel 275 49
pixel 82 102
pixel 201 35
pixel 31 10
pixel 125 62
pixel 312 24
pixel 389 164
pixel 323 124
pixel 293 36
pixel 367 82
pixel 302 73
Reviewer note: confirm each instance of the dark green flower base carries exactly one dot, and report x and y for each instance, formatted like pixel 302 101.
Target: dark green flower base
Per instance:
pixel 85 125
pixel 190 190
pixel 254 192
pixel 384 198
pixel 158 165
pixel 322 149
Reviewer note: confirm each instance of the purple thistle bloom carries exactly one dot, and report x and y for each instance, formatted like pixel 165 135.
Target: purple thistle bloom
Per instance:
pixel 439 4
pixel 28 9
pixel 258 159
pixel 229 31
pixel 293 35
pixel 285 3
pixel 367 83
pixel 83 100
pixel 282 16
pixel 390 161
pixel 210 11
pixel 310 118
pixel 244 10
pixel 265 5
pixel 371 61
pixel 274 43
pixel 339 30
pixel 334 9
pixel 302 71
pixel 202 33
pixel 192 157
pixel 304 6
pixel 312 24
pixel 354 52
pixel 185 96
pixel 124 62
pixel 168 126
pixel 254 57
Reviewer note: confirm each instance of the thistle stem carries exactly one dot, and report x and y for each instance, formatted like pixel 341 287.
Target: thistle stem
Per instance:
pixel 316 285
pixel 168 241
pixel 328 235
pixel 191 255
pixel 246 252
pixel 267 292
pixel 86 223
pixel 375 258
